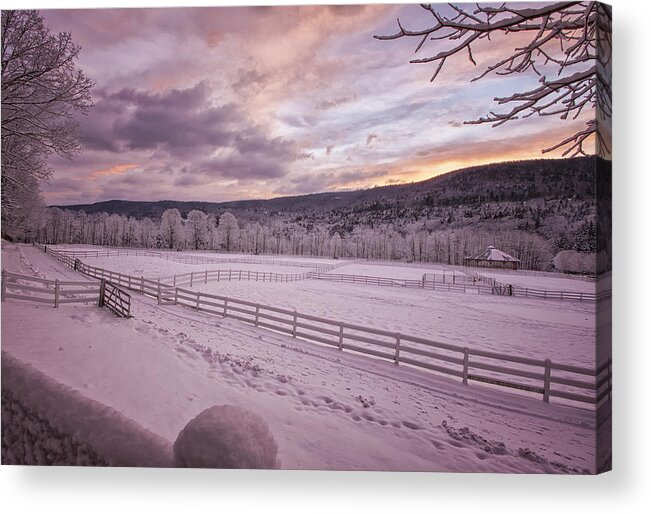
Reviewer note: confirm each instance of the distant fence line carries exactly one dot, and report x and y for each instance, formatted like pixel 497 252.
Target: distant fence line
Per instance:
pixel 462 284
pixel 470 282
pixel 534 376
pixel 193 259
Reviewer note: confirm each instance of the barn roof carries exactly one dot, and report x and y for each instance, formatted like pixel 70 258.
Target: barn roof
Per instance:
pixel 493 254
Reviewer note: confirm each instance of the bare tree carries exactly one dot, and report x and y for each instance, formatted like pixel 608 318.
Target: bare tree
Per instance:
pixel 571 40
pixel 42 91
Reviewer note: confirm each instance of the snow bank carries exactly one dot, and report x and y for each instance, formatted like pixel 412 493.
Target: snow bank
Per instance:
pixel 30 439
pixel 45 422
pixel 227 437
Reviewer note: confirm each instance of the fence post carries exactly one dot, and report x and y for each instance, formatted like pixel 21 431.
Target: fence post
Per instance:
pixel 56 293
pixel 465 366
pixel 397 357
pixel 174 281
pixel 225 307
pixel 341 336
pixel 206 280
pixel 257 313
pixel 176 296
pixel 159 294
pixel 294 325
pixel 4 284
pixel 198 293
pixel 142 285
pixel 102 292
pixel 547 383
pixel 191 273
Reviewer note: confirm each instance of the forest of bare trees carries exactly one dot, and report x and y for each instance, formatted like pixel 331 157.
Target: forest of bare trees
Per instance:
pixel 198 231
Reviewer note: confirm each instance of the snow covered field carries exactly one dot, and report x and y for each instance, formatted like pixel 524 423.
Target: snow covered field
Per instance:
pixel 393 271
pixel 154 267
pixel 327 409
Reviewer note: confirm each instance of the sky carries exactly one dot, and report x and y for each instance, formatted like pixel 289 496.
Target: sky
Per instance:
pixel 220 104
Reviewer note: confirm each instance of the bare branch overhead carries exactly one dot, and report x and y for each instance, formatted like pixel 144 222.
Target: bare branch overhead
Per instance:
pixel 571 40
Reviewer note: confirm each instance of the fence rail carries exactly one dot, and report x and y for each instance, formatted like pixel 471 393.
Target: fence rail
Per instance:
pixel 51 292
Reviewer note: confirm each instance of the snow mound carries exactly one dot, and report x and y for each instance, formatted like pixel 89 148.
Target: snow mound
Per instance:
pixel 228 437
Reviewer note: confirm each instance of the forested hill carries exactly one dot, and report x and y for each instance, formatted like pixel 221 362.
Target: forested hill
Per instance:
pixel 509 182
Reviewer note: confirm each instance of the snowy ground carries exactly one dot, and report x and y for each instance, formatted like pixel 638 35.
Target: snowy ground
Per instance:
pixel 154 267
pixel 392 271
pixel 327 409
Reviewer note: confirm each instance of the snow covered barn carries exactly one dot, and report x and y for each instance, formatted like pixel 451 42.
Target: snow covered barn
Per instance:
pixel 492 258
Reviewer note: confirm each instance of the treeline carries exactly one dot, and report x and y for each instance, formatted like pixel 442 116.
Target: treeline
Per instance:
pixel 416 242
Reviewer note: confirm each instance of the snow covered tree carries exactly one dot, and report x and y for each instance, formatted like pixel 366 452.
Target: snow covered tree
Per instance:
pixel 147 233
pixel 42 91
pixel 228 230
pixel 171 228
pixel 569 50
pixel 197 229
pixel 211 231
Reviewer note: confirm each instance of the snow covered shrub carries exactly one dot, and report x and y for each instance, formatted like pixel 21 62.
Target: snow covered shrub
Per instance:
pixel 229 437
pixel 571 261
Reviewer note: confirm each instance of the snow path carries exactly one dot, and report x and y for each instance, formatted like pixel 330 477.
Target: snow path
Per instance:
pixel 328 410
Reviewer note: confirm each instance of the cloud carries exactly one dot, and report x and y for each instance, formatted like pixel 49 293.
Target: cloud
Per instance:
pixel 370 138
pixel 179 121
pixel 328 181
pixel 335 102
pixel 118 169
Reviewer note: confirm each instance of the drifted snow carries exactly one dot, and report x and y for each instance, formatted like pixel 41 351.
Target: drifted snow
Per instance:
pixel 326 409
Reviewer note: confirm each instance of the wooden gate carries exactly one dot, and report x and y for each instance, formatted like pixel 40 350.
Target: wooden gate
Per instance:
pixel 502 289
pixel 115 299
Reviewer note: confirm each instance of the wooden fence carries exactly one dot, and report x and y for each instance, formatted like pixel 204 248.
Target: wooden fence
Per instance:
pixel 530 376
pixel 189 259
pixel 470 283
pixel 462 285
pixel 533 376
pixel 51 292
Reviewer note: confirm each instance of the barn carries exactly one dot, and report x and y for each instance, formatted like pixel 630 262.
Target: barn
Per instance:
pixel 492 258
